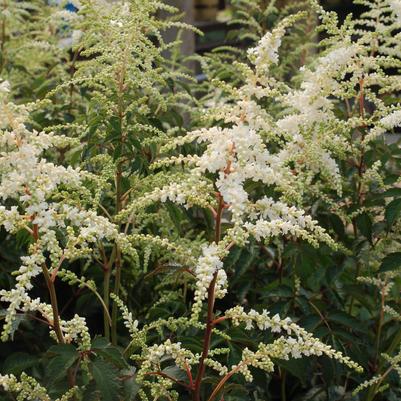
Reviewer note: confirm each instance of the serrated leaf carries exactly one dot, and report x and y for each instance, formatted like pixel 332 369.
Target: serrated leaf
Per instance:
pixel 131 387
pixel 299 368
pixel 337 224
pixel 109 352
pixel 391 262
pixel 364 224
pixel 393 211
pixel 64 356
pixel 106 378
pixel 18 362
pixel 347 320
pixel 392 192
pixel 175 372
pixel 90 393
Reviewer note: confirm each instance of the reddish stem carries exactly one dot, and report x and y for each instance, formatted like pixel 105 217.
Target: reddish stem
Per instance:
pixel 210 306
pixel 219 320
pixel 189 374
pixel 222 382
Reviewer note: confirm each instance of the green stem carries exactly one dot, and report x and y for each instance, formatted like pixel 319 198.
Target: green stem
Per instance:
pixel 106 300
pixel 117 285
pixel 117 282
pixel 119 196
pixel 373 389
pixel 379 327
pixel 52 292
pixel 53 301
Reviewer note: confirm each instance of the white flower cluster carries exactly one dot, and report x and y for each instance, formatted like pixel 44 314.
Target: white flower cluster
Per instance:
pixel 189 192
pixel 286 348
pixel 312 101
pixel 17 298
pixel 299 342
pixel 266 51
pixel 76 330
pixel 385 124
pixel 392 312
pixel 276 218
pixel 208 264
pixel 156 353
pixel 383 284
pixel 236 154
pixel 392 120
pixel 396 7
pixel 33 187
pixel 129 322
pixel 27 388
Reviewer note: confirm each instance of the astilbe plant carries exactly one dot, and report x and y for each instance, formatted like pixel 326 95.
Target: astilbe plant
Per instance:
pixel 234 156
pixel 357 107
pixel 52 204
pixel 132 95
pixel 348 101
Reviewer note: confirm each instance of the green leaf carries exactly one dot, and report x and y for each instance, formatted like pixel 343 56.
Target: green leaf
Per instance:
pixel 115 125
pixel 391 262
pixel 392 192
pixel 106 378
pixel 90 393
pixel 347 320
pixel 63 357
pixel 338 225
pixel 176 215
pixel 393 211
pixel 282 291
pixel 175 372
pixel 109 352
pixel 18 362
pixel 130 386
pixel 364 224
pixel 300 368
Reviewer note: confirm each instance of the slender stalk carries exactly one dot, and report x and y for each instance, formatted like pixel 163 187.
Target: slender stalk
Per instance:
pixel 223 381
pixel 117 285
pixel 53 300
pixel 361 168
pixel 52 292
pixel 56 325
pixel 120 83
pixel 106 300
pixel 210 307
pixel 106 266
pixel 380 326
pixel 373 390
pixel 206 339
pixel 117 282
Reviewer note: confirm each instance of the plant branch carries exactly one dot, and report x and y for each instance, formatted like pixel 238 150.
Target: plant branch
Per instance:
pixel 210 306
